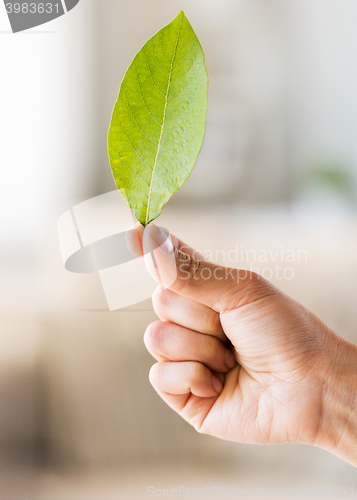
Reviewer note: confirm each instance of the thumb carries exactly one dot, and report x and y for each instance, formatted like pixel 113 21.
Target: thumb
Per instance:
pixel 177 266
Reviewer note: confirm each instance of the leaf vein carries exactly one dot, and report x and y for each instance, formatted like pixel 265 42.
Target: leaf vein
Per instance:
pixel 162 45
pixel 142 97
pixel 158 62
pixel 174 99
pixel 135 151
pixel 184 111
pixel 168 158
pixel 136 123
pixel 134 172
pixel 152 79
pixel 187 72
pixel 188 41
pixel 163 124
pixel 188 53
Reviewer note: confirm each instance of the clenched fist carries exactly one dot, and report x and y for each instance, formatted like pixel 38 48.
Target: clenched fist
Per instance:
pixel 240 360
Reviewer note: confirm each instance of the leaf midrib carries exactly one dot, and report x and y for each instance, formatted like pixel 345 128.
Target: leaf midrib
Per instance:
pixel 163 124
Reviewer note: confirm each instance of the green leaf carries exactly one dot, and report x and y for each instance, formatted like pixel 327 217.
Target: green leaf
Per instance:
pixel 159 119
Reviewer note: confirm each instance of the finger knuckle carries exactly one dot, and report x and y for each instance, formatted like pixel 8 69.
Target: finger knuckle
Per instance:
pixel 215 323
pixel 154 374
pixel 199 428
pixel 247 277
pixel 161 302
pixel 198 372
pixel 153 335
pixel 211 348
pixel 253 284
pixel 186 264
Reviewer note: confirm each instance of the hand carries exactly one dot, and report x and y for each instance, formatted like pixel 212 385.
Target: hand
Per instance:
pixel 237 358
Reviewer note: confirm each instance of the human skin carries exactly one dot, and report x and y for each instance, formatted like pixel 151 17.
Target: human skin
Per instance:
pixel 240 360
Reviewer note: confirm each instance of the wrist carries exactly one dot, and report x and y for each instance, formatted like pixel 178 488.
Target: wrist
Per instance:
pixel 338 424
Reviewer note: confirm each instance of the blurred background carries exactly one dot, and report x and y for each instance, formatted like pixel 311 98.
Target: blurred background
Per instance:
pixel 277 173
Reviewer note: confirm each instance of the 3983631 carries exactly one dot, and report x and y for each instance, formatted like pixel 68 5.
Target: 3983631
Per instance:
pixel 333 491
pixel 32 8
